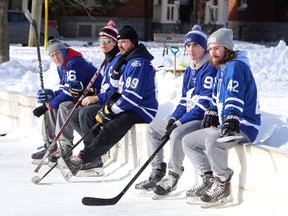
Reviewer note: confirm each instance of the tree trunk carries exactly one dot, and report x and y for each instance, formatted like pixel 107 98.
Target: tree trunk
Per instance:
pixel 4 39
pixel 36 14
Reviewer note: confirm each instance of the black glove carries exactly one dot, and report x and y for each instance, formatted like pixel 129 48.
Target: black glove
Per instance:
pixel 169 130
pixel 231 125
pixel 40 110
pixel 117 66
pixel 210 118
pixel 105 115
pixel 92 92
pixel 170 123
pixel 76 89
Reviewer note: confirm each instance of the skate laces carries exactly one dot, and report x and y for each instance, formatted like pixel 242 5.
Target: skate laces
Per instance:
pixel 168 181
pixel 217 188
pixel 206 180
pixel 75 160
pixel 198 187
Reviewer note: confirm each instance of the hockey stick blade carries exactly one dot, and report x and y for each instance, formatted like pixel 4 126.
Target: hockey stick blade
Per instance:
pixel 94 201
pixel 4 134
pixel 229 138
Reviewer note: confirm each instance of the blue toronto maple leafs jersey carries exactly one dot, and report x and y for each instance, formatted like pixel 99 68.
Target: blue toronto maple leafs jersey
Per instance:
pixel 106 88
pixel 138 85
pixel 196 92
pixel 235 93
pixel 75 67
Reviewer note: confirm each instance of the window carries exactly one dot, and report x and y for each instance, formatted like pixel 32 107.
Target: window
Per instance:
pixel 242 5
pixel 85 30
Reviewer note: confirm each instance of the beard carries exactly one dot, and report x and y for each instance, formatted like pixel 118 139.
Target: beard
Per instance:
pixel 217 61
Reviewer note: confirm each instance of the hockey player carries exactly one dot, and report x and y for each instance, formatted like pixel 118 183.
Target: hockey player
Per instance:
pixel 234 110
pixel 71 66
pixel 186 118
pixel 137 102
pixel 84 119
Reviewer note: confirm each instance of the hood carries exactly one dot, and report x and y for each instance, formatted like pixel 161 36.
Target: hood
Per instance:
pixel 242 56
pixel 71 53
pixel 140 51
pixel 205 59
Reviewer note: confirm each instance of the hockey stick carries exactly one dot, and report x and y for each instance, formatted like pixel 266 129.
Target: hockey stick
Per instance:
pixel 93 201
pixel 37 179
pixel 51 146
pixel 34 25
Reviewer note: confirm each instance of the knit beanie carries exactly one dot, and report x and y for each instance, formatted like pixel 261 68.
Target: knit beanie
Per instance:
pixel 54 44
pixel 223 37
pixel 109 31
pixel 128 32
pixel 196 36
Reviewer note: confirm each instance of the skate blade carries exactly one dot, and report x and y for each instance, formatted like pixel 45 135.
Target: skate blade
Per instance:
pixel 144 193
pixel 194 200
pixel 37 162
pixel 65 171
pixel 220 202
pixel 51 164
pixel 159 197
pixel 96 172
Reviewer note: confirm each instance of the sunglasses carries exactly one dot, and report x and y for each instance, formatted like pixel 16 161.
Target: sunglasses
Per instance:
pixel 104 40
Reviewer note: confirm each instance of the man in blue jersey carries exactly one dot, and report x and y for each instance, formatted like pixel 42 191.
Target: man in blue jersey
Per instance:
pixel 136 101
pixel 71 66
pixel 186 118
pixel 233 118
pixel 84 118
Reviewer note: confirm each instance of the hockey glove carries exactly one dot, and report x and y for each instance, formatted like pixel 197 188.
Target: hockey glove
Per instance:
pixel 170 123
pixel 44 95
pixel 40 110
pixel 92 92
pixel 169 130
pixel 76 89
pixel 105 114
pixel 231 125
pixel 116 70
pixel 210 118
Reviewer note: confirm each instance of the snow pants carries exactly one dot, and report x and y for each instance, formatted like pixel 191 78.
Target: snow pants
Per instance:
pixel 155 132
pixel 54 121
pixel 206 154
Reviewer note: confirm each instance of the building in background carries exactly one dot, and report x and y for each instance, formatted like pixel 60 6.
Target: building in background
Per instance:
pixel 251 20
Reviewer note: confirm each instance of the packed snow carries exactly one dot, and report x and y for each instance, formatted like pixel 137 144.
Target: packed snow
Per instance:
pixel 54 196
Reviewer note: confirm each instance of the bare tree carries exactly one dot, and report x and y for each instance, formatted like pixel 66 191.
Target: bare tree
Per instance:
pixel 4 39
pixel 90 7
pixel 201 11
pixel 36 13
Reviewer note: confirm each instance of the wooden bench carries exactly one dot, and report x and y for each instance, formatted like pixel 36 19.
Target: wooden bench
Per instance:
pixel 168 39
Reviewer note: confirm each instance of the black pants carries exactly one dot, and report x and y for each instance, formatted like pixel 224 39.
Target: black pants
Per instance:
pixel 83 119
pixel 110 134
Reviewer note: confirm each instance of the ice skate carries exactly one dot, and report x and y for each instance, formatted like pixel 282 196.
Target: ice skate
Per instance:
pixel 166 185
pixel 70 167
pixel 194 194
pixel 92 169
pixel 144 188
pixel 37 156
pixel 218 194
